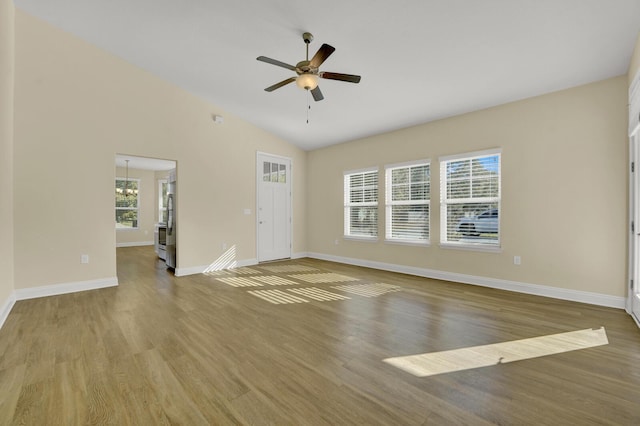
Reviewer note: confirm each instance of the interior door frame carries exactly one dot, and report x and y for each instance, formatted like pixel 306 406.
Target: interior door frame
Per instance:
pixel 634 224
pixel 633 289
pixel 289 200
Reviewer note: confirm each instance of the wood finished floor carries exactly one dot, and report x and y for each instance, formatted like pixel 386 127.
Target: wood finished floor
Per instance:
pixel 198 350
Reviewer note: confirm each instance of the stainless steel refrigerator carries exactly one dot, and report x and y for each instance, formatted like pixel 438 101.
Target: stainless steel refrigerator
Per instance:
pixel 171 220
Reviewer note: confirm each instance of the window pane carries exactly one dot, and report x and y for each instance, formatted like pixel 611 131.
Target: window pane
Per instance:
pixel 419 192
pixel 126 193
pixel 363 221
pixel 282 178
pixel 370 195
pixel 356 180
pixel 485 187
pixel 458 169
pixel 410 222
pixel 274 172
pixel 400 193
pixel 474 223
pixel 420 174
pixel 126 218
pixel 357 196
pixel 266 171
pixel 399 176
pixel 371 179
pixel 458 189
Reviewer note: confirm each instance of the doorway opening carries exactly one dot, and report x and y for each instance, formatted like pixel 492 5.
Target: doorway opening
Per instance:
pixel 145 207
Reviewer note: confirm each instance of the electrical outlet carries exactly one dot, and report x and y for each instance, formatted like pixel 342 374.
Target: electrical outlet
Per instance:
pixel 516 260
pixel 336 242
pixel 84 258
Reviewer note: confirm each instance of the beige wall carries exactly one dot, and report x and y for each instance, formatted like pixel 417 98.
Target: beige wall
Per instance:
pixel 634 66
pixel 6 148
pixel 75 108
pixel 563 189
pixel 148 207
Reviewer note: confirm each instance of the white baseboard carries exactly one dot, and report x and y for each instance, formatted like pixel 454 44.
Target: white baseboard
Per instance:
pixel 300 255
pixel 181 272
pixel 6 308
pixel 135 244
pixel 57 289
pixel 519 287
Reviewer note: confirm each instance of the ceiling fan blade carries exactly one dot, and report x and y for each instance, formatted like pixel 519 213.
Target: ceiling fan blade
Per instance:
pixel 321 55
pixel 276 62
pixel 317 94
pixel 279 85
pixel 342 77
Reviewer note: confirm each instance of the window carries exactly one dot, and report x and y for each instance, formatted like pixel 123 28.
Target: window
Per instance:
pixel 163 185
pixel 274 172
pixel 127 203
pixel 407 202
pixel 361 203
pixel 470 199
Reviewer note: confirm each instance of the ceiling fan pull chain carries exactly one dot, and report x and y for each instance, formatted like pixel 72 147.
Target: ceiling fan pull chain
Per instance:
pixel 308 107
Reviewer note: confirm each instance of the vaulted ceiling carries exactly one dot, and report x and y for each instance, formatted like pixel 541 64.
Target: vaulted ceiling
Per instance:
pixel 420 60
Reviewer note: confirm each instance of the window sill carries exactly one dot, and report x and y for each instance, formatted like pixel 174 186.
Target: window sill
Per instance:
pixel 362 239
pixel 127 229
pixel 472 247
pixel 408 243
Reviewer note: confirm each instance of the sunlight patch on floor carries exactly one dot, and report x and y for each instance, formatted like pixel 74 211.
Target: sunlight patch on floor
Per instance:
pixel 318 294
pixel 277 297
pixel 243 271
pixel 239 282
pixel 328 277
pixel 281 269
pixel 368 290
pixel 433 363
pixel 274 280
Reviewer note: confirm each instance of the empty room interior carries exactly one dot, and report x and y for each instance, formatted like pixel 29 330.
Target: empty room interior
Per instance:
pixel 414 212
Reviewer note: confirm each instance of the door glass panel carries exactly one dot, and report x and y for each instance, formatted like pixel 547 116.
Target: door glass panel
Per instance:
pixel 266 171
pixel 283 174
pixel 274 172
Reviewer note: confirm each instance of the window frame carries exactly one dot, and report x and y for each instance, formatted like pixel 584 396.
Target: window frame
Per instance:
pixel 480 245
pixel 390 203
pixel 161 208
pixel 137 209
pixel 348 204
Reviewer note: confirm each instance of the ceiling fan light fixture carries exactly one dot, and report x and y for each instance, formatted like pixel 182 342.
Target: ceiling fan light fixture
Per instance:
pixel 307 81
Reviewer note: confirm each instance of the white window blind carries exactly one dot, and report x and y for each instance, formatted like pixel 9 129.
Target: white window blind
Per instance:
pixel 470 199
pixel 408 192
pixel 361 203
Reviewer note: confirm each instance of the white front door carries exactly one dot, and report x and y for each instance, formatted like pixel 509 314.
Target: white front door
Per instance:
pixel 274 207
pixel 635 226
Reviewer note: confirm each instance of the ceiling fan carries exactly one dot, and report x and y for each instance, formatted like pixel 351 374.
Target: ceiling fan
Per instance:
pixel 308 70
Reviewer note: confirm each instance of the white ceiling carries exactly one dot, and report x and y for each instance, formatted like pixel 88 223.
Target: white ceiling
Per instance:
pixel 420 60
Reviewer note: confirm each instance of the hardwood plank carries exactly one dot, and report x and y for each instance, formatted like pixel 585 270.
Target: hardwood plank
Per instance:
pixel 159 349
pixel 11 381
